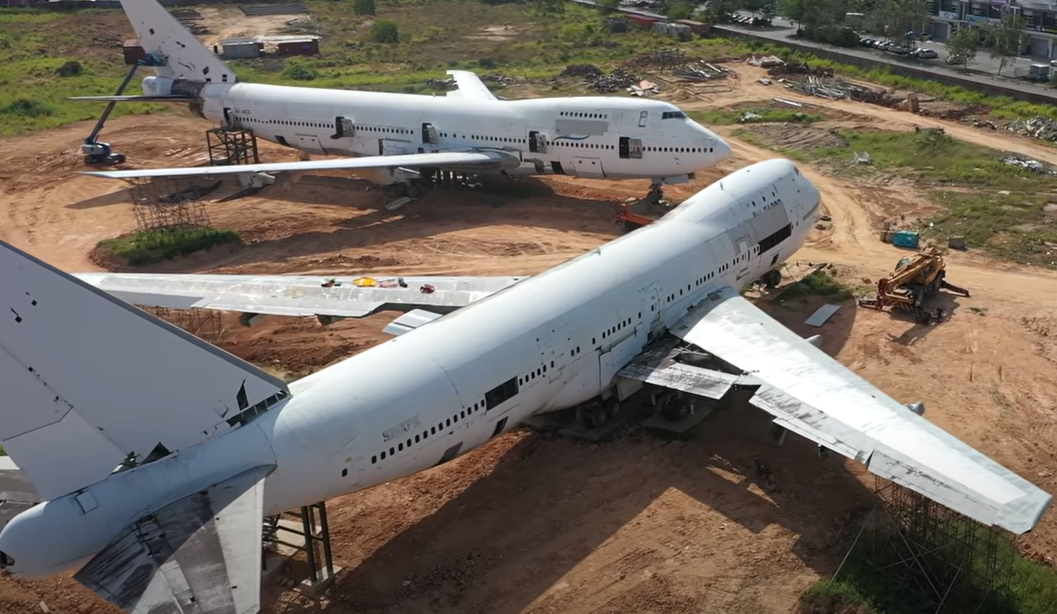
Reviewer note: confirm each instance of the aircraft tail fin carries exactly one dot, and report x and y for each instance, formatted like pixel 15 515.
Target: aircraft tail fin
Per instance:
pixel 89 377
pixel 179 53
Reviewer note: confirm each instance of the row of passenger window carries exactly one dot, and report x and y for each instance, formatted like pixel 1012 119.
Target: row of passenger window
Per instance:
pixel 587 115
pixel 426 433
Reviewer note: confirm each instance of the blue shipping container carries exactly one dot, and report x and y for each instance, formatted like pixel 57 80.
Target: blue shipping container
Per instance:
pixel 905 238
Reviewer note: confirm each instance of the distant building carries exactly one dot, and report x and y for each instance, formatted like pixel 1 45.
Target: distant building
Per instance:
pixel 949 16
pixel 303 46
pixel 239 48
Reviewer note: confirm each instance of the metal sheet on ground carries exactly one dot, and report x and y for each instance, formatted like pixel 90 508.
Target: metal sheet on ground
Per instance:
pixel 822 314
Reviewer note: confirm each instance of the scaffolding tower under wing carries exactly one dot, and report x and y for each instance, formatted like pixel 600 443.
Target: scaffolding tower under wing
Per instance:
pixel 229 146
pixel 942 561
pixel 169 203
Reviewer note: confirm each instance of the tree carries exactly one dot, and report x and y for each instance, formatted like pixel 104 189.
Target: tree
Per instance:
pixel 761 8
pixel 679 10
pixel 363 7
pixel 1006 39
pixel 962 46
pixel 384 31
pixel 904 20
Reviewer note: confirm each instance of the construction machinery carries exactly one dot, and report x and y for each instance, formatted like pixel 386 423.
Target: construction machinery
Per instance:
pixel 915 279
pixel 95 151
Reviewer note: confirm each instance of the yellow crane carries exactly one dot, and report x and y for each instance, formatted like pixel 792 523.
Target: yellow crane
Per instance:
pixel 914 279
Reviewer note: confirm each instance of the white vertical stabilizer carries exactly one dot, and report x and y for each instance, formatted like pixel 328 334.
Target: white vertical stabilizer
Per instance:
pixel 161 34
pixel 88 380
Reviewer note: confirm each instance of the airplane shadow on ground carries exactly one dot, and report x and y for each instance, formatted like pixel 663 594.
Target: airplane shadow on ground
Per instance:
pixel 508 201
pixel 551 503
pixel 121 197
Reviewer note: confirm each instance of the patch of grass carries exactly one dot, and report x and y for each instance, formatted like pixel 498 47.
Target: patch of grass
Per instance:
pixel 862 589
pixel 146 247
pixel 753 115
pixel 834 597
pixel 1013 226
pixel 2 451
pixel 818 283
pixel 980 311
pixel 930 157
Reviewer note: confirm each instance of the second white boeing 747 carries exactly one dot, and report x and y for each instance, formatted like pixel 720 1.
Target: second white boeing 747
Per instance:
pixel 215 444
pixel 395 137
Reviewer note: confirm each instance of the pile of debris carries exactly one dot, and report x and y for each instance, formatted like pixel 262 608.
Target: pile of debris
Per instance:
pixel 665 59
pixel 702 71
pixel 799 68
pixel 497 78
pixel 587 71
pixel 1026 163
pixel 301 25
pixel 1037 127
pixel 769 61
pixel 617 80
pixel 835 89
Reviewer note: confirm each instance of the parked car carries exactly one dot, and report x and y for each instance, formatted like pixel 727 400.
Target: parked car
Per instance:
pixel 925 54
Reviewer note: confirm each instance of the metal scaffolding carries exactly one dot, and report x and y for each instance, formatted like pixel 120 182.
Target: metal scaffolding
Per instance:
pixel 202 323
pixel 312 539
pixel 169 203
pixel 939 558
pixel 229 146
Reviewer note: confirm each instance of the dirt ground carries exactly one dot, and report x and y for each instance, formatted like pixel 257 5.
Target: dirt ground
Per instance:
pixel 535 523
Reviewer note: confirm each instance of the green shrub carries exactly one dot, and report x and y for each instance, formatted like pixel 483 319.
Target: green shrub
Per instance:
pixel 364 7
pixel 385 31
pixel 149 246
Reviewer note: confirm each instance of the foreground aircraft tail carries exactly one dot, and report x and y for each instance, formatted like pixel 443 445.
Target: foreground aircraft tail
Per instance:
pixel 87 376
pixel 163 37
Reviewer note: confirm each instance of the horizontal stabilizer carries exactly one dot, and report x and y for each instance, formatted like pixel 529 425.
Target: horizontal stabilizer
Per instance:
pixel 410 321
pixel 815 396
pixel 86 376
pixel 470 86
pixel 290 295
pixel 199 555
pixel 452 160
pixel 140 98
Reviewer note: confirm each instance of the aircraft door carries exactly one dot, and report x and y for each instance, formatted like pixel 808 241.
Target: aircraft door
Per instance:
pixel 429 134
pixel 630 148
pixel 744 255
pixel 651 308
pixel 228 121
pixel 590 168
pixel 343 128
pixel 554 350
pixel 537 142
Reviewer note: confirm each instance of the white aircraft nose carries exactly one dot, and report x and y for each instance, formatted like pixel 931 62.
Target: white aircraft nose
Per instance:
pixel 721 149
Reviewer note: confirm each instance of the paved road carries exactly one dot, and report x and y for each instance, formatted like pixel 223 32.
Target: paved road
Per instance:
pixel 782 29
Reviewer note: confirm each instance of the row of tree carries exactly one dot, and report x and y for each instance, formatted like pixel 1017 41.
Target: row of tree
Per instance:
pixel 1005 40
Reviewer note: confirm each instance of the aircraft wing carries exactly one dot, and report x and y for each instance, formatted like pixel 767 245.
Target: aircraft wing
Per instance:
pixel 470 86
pixel 813 395
pixel 137 98
pixel 201 554
pixel 486 159
pixel 290 295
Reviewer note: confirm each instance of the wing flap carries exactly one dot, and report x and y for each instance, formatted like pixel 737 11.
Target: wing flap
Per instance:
pixel 290 295
pixel 817 397
pixel 199 555
pixel 484 159
pixel 470 86
pixel 659 367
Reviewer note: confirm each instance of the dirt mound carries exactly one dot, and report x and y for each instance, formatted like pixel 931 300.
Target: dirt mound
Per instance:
pixel 803 138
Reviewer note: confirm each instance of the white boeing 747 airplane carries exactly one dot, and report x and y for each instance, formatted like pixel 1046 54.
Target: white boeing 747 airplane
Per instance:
pixel 212 444
pixel 393 137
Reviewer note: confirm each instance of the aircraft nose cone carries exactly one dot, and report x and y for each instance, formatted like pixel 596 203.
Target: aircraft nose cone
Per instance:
pixel 721 148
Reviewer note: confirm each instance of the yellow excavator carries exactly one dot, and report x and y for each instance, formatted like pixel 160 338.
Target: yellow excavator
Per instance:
pixel 914 279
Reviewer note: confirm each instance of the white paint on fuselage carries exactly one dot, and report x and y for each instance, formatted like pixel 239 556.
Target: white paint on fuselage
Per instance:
pixel 397 408
pixel 582 134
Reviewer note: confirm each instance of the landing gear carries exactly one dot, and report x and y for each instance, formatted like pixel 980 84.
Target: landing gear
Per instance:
pixel 598 413
pixel 771 279
pixel 655 195
pixel 413 188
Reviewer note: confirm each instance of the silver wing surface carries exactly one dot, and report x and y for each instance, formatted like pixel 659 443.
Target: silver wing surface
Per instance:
pixel 290 295
pixel 454 160
pixel 199 555
pixel 816 397
pixel 470 86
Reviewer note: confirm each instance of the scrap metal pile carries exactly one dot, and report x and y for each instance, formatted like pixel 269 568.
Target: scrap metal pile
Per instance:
pixel 1037 127
pixel 1027 164
pixel 617 80
pixel 835 89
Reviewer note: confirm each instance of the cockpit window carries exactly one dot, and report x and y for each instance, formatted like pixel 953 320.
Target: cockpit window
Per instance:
pixel 672 115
